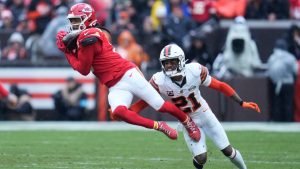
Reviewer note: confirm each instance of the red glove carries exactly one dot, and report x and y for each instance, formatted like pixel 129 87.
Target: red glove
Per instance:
pixel 59 43
pixel 251 105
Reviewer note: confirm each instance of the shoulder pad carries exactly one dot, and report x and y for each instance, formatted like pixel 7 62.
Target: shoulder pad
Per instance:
pixel 159 78
pixel 194 68
pixel 88 41
pixel 95 32
pixel 89 36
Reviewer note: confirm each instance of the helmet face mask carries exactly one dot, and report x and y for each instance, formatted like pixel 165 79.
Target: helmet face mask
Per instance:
pixel 172 61
pixel 81 16
pixel 170 66
pixel 76 24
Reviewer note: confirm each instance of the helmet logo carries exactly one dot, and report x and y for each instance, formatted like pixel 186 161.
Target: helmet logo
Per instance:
pixel 87 9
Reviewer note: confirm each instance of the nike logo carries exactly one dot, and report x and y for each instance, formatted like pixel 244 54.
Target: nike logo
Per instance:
pixel 85 33
pixel 205 110
pixel 130 75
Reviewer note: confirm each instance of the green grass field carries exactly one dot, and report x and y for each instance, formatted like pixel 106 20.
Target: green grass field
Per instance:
pixel 139 150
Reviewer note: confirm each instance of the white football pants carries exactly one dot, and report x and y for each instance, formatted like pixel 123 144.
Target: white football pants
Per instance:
pixel 209 126
pixel 133 83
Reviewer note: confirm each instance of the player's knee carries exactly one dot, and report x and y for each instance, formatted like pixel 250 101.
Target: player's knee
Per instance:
pixel 227 151
pixel 200 160
pixel 120 111
pixel 162 107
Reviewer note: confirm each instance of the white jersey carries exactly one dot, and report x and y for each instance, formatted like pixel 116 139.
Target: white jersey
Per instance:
pixel 188 96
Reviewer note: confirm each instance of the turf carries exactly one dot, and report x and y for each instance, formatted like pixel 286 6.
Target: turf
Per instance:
pixel 139 150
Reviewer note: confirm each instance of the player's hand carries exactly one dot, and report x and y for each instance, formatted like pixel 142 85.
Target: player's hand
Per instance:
pixel 59 43
pixel 251 105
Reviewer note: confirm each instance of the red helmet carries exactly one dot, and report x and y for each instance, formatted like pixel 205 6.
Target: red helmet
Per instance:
pixel 81 16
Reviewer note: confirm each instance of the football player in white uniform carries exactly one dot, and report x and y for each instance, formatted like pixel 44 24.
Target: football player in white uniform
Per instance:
pixel 180 83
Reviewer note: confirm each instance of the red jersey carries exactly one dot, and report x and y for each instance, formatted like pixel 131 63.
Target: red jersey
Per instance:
pixel 200 10
pixel 3 91
pixel 100 57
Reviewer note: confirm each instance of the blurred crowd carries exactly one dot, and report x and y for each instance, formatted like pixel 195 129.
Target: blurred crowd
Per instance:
pixel 141 28
pixel 70 102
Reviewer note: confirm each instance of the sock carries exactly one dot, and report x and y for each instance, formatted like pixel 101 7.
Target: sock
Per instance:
pixel 237 159
pixel 175 111
pixel 131 117
pixel 197 165
pixel 155 125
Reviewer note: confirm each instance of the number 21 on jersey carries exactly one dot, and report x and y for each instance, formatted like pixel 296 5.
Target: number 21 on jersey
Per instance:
pixel 182 101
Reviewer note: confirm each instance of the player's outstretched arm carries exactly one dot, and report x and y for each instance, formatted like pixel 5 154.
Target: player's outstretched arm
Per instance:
pixel 229 91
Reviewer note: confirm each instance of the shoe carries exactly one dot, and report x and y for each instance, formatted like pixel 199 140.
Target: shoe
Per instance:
pixel 192 129
pixel 167 130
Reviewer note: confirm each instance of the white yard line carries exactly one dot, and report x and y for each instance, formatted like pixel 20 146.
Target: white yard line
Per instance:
pixel 176 159
pixel 120 126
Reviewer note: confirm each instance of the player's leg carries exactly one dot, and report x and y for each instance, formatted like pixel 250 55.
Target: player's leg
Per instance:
pixel 235 157
pixel 198 149
pixel 119 101
pixel 200 160
pixel 143 89
pixel 214 130
pixel 165 106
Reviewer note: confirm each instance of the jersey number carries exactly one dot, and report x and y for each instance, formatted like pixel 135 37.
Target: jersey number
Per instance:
pixel 182 101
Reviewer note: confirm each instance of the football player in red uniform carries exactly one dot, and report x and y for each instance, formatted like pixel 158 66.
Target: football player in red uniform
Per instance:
pixel 87 48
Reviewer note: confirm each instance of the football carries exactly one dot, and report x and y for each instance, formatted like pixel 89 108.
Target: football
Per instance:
pixel 70 40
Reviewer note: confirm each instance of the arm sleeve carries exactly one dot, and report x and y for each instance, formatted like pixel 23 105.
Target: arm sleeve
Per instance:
pixel 3 91
pixel 222 87
pixel 204 76
pixel 85 55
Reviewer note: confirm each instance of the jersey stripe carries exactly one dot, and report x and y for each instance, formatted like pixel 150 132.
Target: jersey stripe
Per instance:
pixel 203 74
pixel 152 82
pixel 167 51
